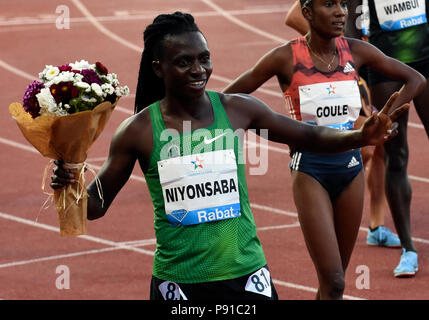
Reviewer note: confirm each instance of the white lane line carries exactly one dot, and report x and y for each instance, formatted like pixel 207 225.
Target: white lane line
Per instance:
pixel 296 224
pixel 102 29
pixel 309 289
pixel 282 226
pixel 16 71
pixel 124 110
pixel 275 210
pixel 86 237
pixel 18 145
pixel 56 257
pixel 138 243
pixel 114 246
pixel 134 243
pixel 243 24
pixel 119 39
pixel 415 125
pixel 421 179
pixel 20 21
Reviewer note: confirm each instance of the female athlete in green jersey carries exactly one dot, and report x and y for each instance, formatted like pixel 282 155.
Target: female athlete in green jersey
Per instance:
pixel 185 140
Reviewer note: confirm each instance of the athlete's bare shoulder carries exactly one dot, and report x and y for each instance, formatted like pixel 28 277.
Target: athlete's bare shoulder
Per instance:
pixel 362 51
pixel 356 44
pixel 242 109
pixel 282 54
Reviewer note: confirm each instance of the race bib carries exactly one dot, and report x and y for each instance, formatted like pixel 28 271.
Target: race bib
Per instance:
pixel 400 14
pixel 171 291
pixel 260 282
pixel 332 104
pixel 200 188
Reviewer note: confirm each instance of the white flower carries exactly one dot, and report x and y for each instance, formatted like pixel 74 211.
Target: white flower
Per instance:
pixel 125 91
pixel 107 89
pixel 122 91
pixel 78 77
pixel 83 85
pixel 97 89
pixel 88 99
pixel 49 72
pixel 49 83
pixel 82 64
pixel 65 76
pixel 108 78
pixel 115 81
pixel 46 100
pixel 52 73
pixel 47 104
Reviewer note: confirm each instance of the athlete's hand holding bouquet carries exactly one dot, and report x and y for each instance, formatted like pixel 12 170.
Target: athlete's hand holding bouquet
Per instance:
pixel 61 116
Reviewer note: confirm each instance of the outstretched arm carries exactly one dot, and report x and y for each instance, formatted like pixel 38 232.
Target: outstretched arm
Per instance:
pixel 376 130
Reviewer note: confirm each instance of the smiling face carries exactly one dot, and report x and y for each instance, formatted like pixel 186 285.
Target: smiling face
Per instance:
pixel 327 17
pixel 184 65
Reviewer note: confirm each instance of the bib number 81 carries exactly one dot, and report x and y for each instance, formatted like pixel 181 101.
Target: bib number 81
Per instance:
pixel 259 282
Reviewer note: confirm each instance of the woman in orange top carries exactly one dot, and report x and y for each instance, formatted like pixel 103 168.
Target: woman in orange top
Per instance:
pixel 372 156
pixel 318 75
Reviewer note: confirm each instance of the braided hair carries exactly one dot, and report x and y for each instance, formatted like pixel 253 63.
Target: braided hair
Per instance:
pixel 150 88
pixel 305 3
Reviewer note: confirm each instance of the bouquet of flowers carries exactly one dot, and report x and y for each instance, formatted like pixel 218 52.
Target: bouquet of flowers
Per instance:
pixel 61 116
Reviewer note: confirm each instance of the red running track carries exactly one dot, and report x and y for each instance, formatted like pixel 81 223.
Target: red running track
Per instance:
pixel 114 261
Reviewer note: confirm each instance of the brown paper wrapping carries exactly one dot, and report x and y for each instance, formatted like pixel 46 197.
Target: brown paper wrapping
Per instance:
pixel 71 204
pixel 67 138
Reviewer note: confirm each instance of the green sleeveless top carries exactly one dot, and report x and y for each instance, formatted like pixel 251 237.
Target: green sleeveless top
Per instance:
pixel 211 251
pixel 408 45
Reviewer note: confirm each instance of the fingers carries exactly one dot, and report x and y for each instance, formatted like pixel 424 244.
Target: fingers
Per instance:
pixel 392 132
pixel 61 176
pixel 399 111
pixel 394 126
pixel 389 103
pixel 372 119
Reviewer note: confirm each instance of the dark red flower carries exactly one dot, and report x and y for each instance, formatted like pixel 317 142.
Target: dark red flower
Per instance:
pixel 101 68
pixel 64 92
pixel 90 76
pixel 29 101
pixel 65 67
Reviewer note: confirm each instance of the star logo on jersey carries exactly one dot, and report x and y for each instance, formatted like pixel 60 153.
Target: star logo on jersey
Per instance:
pixel 198 163
pixel 331 89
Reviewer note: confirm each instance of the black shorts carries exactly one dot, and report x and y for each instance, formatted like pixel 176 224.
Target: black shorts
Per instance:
pixel 375 77
pixel 333 171
pixel 257 285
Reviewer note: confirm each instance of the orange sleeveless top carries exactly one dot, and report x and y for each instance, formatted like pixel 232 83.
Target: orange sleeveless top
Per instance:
pixel 324 98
